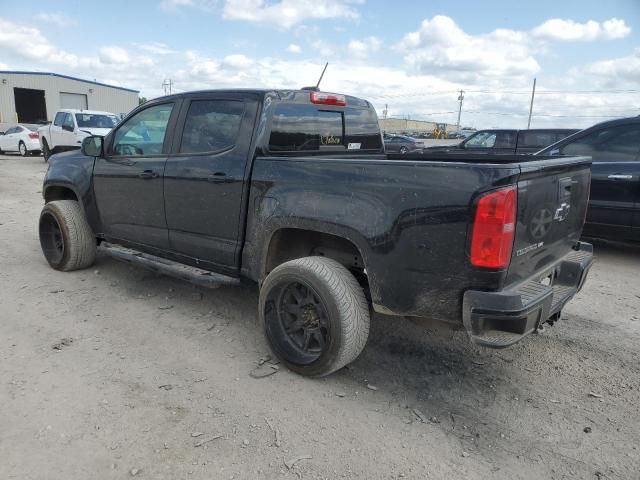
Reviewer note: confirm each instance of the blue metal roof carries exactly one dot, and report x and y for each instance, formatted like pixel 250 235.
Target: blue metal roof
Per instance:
pixel 70 78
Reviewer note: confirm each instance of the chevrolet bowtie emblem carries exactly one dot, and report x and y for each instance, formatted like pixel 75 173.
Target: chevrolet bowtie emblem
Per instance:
pixel 562 212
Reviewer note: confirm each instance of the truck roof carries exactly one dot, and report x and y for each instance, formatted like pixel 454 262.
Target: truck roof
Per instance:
pixel 90 112
pixel 289 95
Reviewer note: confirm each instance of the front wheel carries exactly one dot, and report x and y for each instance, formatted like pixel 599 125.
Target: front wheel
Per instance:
pixel 315 315
pixel 67 241
pixel 22 148
pixel 404 150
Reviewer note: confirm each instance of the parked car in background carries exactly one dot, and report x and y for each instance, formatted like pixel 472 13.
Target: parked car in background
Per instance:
pixel 456 135
pixel 402 144
pixel 507 141
pixel 614 203
pixel 22 138
pixel 70 126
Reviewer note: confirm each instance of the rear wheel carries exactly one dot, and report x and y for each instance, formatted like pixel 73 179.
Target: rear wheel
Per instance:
pixel 46 153
pixel 315 315
pixel 22 148
pixel 67 241
pixel 404 150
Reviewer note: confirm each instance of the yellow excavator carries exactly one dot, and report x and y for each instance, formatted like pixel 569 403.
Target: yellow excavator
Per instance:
pixel 440 132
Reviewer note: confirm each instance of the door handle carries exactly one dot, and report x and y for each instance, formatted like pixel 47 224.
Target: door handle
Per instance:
pixel 218 177
pixel 148 174
pixel 618 176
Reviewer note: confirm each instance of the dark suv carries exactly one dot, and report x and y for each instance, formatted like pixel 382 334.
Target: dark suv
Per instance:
pixel 614 204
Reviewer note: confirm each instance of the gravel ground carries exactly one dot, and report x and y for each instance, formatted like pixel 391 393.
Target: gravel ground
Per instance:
pixel 115 372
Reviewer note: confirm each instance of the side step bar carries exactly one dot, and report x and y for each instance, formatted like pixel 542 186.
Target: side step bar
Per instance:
pixel 168 267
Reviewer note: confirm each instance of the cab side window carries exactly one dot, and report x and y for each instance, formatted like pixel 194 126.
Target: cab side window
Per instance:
pixel 615 144
pixel 144 133
pixel 211 125
pixel 68 121
pixel 59 119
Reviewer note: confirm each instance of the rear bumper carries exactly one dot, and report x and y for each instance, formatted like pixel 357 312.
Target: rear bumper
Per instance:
pixel 500 319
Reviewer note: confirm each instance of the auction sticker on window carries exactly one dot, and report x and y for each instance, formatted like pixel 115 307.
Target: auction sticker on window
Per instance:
pixel 353 146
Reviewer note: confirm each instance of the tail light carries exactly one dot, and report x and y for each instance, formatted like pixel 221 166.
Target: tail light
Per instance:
pixel 321 98
pixel 494 228
pixel 33 135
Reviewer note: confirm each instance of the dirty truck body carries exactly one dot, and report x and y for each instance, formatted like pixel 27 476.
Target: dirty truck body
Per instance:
pixel 295 192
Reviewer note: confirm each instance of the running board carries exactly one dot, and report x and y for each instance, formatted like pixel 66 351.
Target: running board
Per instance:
pixel 168 267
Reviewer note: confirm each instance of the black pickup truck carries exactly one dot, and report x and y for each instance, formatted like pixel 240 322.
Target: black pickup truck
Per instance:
pixel 293 190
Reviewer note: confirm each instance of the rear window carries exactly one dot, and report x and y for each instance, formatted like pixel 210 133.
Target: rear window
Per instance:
pixel 299 127
pixel 537 139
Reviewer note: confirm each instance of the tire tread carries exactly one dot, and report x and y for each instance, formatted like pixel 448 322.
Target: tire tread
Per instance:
pixel 351 302
pixel 80 242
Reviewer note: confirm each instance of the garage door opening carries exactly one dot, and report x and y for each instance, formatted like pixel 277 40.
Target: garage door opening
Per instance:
pixel 30 105
pixel 73 100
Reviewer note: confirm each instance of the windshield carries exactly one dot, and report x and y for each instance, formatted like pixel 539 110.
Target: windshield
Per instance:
pixel 92 120
pixel 481 139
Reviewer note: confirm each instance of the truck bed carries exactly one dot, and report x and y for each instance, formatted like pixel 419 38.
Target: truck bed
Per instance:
pixel 410 218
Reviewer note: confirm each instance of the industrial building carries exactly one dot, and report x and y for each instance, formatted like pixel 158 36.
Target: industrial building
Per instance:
pixel 34 97
pixel 398 125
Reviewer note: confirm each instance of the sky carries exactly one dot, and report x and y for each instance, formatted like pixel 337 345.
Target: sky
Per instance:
pixel 409 58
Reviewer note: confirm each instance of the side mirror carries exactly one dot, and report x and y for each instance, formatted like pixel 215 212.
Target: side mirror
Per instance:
pixel 68 128
pixel 93 146
pixel 1 133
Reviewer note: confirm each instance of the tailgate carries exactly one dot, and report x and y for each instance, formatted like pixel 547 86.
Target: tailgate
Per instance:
pixel 552 200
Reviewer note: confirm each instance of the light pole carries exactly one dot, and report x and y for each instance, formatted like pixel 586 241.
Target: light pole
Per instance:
pixel 460 99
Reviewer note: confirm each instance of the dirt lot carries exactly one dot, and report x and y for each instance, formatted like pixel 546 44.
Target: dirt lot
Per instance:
pixel 113 371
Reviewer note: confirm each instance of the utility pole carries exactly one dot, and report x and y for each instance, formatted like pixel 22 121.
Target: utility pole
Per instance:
pixel 385 112
pixel 533 94
pixel 167 85
pixel 460 99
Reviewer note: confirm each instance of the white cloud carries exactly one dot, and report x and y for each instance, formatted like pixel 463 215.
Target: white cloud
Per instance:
pixel 325 49
pixel 424 89
pixel 111 55
pixel 27 48
pixel 288 13
pixel 237 61
pixel 620 72
pixel 293 48
pixel 57 19
pixel 440 45
pixel 155 48
pixel 176 5
pixel 28 42
pixel 363 48
pixel 568 30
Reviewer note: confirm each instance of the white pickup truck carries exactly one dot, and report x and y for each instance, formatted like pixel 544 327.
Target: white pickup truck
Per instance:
pixel 70 126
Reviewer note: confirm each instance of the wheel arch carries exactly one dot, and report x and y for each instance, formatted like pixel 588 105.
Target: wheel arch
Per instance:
pixel 290 243
pixel 54 192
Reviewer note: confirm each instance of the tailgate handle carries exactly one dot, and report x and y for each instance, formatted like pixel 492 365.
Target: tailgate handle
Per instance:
pixel 564 187
pixel 618 176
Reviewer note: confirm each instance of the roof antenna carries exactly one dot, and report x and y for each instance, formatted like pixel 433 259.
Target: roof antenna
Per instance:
pixel 317 87
pixel 322 74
